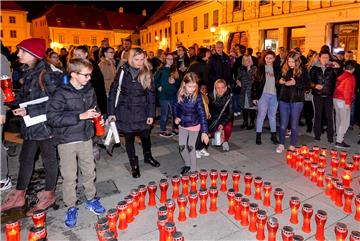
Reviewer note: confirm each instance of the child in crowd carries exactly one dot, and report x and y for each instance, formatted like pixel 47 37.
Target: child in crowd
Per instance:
pixel 70 112
pixel 191 118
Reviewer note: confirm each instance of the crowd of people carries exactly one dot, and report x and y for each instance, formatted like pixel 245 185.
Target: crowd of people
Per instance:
pixel 204 89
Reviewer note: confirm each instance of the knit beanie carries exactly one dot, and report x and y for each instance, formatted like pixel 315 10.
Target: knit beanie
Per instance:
pixel 34 46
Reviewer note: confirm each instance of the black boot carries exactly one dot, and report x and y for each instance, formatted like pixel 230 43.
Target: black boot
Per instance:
pixel 245 117
pixel 148 159
pixel 258 138
pixel 184 170
pixel 135 171
pixel 252 119
pixel 274 138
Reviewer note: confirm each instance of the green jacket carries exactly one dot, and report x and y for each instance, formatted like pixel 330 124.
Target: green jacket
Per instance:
pixel 168 91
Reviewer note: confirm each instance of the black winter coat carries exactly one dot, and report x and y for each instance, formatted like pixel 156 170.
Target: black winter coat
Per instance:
pixel 259 81
pixel 41 81
pixel 97 82
pixel 179 61
pixel 215 107
pixel 135 103
pixel 219 68
pixel 326 78
pixel 200 68
pixel 295 93
pixel 63 112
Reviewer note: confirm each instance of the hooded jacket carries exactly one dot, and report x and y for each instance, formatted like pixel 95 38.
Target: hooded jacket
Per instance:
pixel 325 77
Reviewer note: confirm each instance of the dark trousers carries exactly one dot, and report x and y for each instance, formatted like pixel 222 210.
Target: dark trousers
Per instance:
pixel 130 147
pixel 323 106
pixel 308 113
pixel 27 160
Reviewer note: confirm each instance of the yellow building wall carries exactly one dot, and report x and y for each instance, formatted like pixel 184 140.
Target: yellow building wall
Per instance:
pixel 154 44
pixel 39 29
pixel 21 26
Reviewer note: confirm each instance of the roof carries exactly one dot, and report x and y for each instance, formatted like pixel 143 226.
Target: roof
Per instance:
pixel 127 21
pixel 9 5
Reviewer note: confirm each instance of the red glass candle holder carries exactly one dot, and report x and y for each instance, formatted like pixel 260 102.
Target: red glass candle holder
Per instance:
pixel 348 195
pixel 294 160
pixel 314 167
pixel 349 165
pixel 346 177
pixel 142 195
pixel 12 231
pixel 322 161
pixel 343 156
pixel 248 180
pixel 253 209
pixel 320 177
pixel 122 207
pixel 135 195
pixel 328 188
pixel 307 212
pixel 300 163
pixel 324 151
pixel 108 236
pixel 312 156
pixel 272 227
pixel 261 218
pixel 320 218
pixel 267 191
pixel 341 231
pixel 213 177
pixel 203 177
pixel 279 196
pixel 294 206
pixel 182 202
pixel 39 217
pixel 298 238
pixel 298 150
pixel 178 236
pixel 175 182
pixel 339 194
pixel 129 210
pixel 193 198
pixel 112 216
pixel 163 185
pixel 152 187
pixel 162 220
pixel 287 233
pixel 185 184
pixel 193 176
pixel 355 236
pixel 170 229
pixel 162 211
pixel 245 205
pixel 203 195
pixel 334 167
pixel 307 165
pixel 304 150
pixel 99 129
pixel 36 233
pixel 289 156
pixel 213 193
pixel 237 198
pixel 356 159
pixel 6 86
pixel 357 207
pixel 258 182
pixel 223 178
pixel 316 150
pixel 333 190
pixel 236 178
pixel 170 204
pixel 231 200
pixel 333 153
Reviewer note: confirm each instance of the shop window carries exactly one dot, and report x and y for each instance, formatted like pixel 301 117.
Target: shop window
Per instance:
pixel 237 5
pixel 206 20
pixel 216 17
pixel 345 37
pixel 195 24
pixel 176 28
pixel 296 38
pixel 182 27
pixel 166 32
pixel 271 40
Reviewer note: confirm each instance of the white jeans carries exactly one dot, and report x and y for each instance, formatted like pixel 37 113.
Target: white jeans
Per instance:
pixel 342 119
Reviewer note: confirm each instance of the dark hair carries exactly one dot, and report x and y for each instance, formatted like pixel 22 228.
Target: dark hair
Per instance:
pixel 104 50
pixel 250 51
pixel 202 52
pixel 191 47
pixel 63 49
pixel 83 48
pixel 269 52
pixel 324 52
pixel 349 52
pixel 52 54
pixel 325 48
pixel 49 50
pixel 350 65
pixel 127 40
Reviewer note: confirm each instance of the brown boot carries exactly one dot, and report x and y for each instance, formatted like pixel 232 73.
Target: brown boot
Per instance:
pixel 46 200
pixel 14 199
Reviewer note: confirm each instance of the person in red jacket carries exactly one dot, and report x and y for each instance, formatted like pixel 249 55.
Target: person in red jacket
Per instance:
pixel 343 97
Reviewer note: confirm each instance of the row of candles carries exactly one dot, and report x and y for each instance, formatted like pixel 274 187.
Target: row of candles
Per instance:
pixel 36 233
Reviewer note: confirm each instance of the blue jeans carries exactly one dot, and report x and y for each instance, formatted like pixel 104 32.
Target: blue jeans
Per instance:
pixel 292 111
pixel 236 103
pixel 164 110
pixel 266 105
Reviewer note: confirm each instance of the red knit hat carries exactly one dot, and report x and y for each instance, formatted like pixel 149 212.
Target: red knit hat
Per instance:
pixel 34 46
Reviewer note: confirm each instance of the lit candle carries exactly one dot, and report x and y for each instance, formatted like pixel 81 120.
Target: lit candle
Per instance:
pixel 39 217
pixel 245 203
pixel 162 220
pixel 307 212
pixel 298 150
pixel 129 210
pixel 298 238
pixel 320 218
pixel 258 182
pixel 122 207
pixel 316 150
pixel 213 193
pixel 272 227
pixel 300 163
pixel 135 194
pixel 112 216
pixel 142 191
pixel 223 178
pixel 339 194
pixel 349 195
pixel 356 159
pixel 163 185
pixel 248 180
pixel 289 156
pixel 307 164
pixel 253 209
pixel 267 191
pixel 175 182
pixel 312 156
pixel 163 211
pixel 170 204
pixel 279 195
pixel 12 230
pixel 320 177
pixel 185 184
pixel 333 154
pixel 328 177
pixel 203 195
pixel 343 156
pixel 294 160
pixel 193 176
pixel 236 178
pixel 287 233
pixel 170 229
pixel 231 200
pixel 294 206
pixel 238 197
pixel 334 167
pixel 193 198
pixel 178 236
pixel 333 190
pixel 213 177
pixel 357 207
pixel 36 233
pixel 261 218
pixel 322 161
pixel 203 177
pixel 346 177
pixel 349 165
pixel 355 236
pixel 304 150
pixel 341 231
pixel 314 167
pixel 152 190
pixel 315 157
pixel 182 202
pixel 323 151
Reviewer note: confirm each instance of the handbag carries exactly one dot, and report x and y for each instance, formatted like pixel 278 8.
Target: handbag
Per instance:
pixel 214 124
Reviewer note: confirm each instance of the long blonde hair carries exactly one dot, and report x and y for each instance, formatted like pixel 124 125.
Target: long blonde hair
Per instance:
pixel 190 77
pixel 313 59
pixel 219 81
pixel 297 69
pixel 145 75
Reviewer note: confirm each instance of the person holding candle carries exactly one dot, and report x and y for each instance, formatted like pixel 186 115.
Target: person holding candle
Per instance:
pixel 70 112
pixel 191 118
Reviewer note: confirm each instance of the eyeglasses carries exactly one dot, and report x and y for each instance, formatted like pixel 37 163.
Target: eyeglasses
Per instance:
pixel 86 75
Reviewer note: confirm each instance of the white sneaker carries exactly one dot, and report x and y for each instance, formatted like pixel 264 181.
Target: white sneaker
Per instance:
pixel 5 184
pixel 225 146
pixel 198 156
pixel 203 152
pixel 280 148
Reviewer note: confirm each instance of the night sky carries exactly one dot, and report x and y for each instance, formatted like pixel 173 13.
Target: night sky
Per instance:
pixel 129 6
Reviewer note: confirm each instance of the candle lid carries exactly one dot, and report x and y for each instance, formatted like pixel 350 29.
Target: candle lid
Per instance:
pixel 245 201
pixel 307 207
pixel 193 195
pixel 38 230
pixel 300 157
pixel 129 199
pixel 273 222
pixel 142 188
pixel 185 177
pixel 254 207
pixel 169 226
pixel 248 174
pixel 193 174
pixel 288 231
pixel 341 227
pixel 314 165
pixel 182 198
pixel 213 190
pixel 231 191
pixel 321 170
pixel 134 192
pixel 177 235
pixel 236 173
pixel 213 171
pixel 298 238
pixel 267 184
pixel 112 211
pixel 163 209
pixel 294 200
pixel 175 178
pixel 163 181
pixel 355 234
pixel 261 214
pixel 349 191
pixel 38 213
pixel 102 221
pixel 162 218
pixel 203 191
pixel 279 191
pixel 102 228
pixel 203 172
pixel 258 180
pixel 238 197
pixel 339 186
pixel 152 184
pixel 321 214
pixel 334 180
pixel 12 224
pixel 169 202
pixel 357 198
pixel 307 160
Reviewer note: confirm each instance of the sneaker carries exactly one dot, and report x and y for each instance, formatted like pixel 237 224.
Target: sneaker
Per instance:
pixel 71 217
pixel 95 206
pixel 198 155
pixel 165 134
pixel 341 145
pixel 225 146
pixel 204 152
pixel 280 149
pixel 5 184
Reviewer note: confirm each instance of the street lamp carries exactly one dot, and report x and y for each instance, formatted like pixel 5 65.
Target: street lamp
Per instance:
pixel 213 29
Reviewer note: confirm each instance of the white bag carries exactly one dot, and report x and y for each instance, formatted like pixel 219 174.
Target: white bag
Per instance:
pixel 218 138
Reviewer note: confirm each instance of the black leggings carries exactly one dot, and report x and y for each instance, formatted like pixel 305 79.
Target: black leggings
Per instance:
pixel 323 107
pixel 130 147
pixel 27 160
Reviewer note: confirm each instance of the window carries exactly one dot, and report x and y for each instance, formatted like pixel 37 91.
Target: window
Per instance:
pixel 12 33
pixel 169 31
pixel 61 38
pixel 195 23
pixel 156 36
pixel 149 37
pixel 264 2
pixel 166 32
pixel 142 39
pixel 76 39
pixel 176 28
pixel 237 5
pixel 0 19
pixel 2 34
pixel 160 34
pixel 182 27
pixel 206 20
pixel 12 19
pixel 93 40
pixel 216 17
